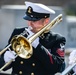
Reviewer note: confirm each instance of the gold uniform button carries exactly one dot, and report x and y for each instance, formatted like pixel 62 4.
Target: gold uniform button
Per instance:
pixel 21 62
pixel 20 72
pixel 32 73
pixel 33 64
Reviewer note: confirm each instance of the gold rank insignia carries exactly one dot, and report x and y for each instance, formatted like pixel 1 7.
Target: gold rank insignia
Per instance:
pixel 29 10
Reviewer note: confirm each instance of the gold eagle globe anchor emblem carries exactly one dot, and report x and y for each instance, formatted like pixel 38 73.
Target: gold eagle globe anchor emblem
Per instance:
pixel 29 10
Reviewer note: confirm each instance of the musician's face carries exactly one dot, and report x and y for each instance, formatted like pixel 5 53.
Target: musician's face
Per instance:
pixel 35 26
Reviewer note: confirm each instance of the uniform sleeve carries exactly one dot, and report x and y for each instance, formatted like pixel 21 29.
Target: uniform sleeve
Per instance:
pixel 54 56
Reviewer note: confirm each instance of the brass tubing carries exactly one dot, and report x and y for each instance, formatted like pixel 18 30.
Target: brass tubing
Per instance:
pixel 30 40
pixel 68 69
pixel 51 24
pixel 1 52
pixel 8 63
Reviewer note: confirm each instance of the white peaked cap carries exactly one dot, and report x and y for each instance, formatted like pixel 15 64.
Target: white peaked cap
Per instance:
pixel 37 11
pixel 40 8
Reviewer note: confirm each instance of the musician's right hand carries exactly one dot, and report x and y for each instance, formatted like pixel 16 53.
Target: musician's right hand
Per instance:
pixel 36 41
pixel 9 55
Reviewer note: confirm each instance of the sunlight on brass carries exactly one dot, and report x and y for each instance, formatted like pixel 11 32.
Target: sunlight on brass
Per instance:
pixel 22 46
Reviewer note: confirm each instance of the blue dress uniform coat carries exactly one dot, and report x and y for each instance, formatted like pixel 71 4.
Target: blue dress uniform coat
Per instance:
pixel 47 58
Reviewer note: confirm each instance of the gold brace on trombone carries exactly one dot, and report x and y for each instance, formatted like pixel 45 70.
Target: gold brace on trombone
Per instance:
pixel 22 46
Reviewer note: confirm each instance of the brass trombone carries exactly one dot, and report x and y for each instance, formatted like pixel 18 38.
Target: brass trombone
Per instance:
pixel 22 46
pixel 68 69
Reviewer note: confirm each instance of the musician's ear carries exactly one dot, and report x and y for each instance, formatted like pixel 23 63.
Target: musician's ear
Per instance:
pixel 47 20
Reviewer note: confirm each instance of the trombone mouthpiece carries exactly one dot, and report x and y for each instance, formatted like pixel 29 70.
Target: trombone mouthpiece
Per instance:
pixel 30 28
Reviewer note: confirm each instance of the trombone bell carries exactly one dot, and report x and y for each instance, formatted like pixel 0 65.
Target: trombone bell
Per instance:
pixel 21 46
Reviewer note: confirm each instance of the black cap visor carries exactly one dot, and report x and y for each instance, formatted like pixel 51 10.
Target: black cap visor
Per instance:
pixel 26 17
pixel 34 16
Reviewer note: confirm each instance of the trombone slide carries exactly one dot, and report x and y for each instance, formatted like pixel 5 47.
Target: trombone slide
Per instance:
pixel 19 42
pixel 8 63
pixel 67 70
pixel 5 49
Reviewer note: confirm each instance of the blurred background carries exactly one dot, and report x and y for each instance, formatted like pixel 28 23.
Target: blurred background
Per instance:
pixel 12 12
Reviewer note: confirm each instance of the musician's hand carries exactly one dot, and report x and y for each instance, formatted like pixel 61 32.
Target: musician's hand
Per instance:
pixel 72 57
pixel 36 41
pixel 9 55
